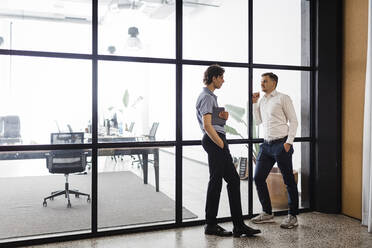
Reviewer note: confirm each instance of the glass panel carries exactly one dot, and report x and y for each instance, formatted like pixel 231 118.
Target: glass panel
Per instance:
pixel 215 30
pixel 276 186
pixel 137 28
pixel 296 84
pixel 136 186
pixel 136 102
pixel 281 32
pixel 233 96
pixel 31 176
pixel 41 96
pixel 44 25
pixel 196 177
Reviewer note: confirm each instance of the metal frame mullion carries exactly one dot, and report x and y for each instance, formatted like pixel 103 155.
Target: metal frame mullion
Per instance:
pixel 250 123
pixel 282 67
pixel 45 54
pixel 179 19
pixel 313 76
pixel 94 221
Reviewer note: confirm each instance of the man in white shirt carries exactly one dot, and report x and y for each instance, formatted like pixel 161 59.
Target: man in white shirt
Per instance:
pixel 274 111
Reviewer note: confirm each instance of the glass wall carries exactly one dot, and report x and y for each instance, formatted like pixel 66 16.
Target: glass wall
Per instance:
pixel 233 96
pixel 276 186
pixel 281 32
pixel 215 30
pixel 31 204
pixel 136 187
pixel 136 101
pixel 41 96
pixel 196 177
pixel 295 84
pixel 137 28
pixel 61 101
pixel 43 25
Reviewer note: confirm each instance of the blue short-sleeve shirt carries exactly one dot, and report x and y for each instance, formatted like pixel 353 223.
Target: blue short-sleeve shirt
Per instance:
pixel 204 105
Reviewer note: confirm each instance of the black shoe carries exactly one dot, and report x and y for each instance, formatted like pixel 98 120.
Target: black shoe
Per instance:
pixel 245 230
pixel 216 230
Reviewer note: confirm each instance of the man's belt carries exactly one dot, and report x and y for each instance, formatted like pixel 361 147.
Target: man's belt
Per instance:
pixel 274 141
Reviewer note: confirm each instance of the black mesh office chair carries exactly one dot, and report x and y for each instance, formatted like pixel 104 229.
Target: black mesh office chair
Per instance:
pixel 66 162
pixel 152 133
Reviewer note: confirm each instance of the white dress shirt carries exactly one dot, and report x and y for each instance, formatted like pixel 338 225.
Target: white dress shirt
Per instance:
pixel 274 111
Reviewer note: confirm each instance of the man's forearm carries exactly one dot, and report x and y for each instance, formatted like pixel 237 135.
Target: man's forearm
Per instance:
pixel 256 114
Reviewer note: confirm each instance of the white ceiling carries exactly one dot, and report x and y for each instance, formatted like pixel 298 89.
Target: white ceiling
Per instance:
pixel 81 10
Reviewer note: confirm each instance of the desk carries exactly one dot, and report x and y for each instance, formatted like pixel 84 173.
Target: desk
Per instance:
pixel 113 139
pixel 144 151
pixel 4 140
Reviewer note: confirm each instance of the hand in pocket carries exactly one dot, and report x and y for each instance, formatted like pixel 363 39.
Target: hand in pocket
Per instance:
pixel 287 146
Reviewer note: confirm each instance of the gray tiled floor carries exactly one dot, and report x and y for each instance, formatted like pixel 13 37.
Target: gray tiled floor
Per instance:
pixel 314 230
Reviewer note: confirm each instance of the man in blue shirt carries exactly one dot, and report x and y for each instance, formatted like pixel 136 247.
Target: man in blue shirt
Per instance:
pixel 219 159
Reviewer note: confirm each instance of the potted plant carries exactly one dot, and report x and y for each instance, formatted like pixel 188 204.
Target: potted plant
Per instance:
pixel 238 114
pixel 120 111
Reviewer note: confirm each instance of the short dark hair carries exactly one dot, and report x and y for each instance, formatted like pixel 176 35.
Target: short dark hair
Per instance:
pixel 272 76
pixel 212 71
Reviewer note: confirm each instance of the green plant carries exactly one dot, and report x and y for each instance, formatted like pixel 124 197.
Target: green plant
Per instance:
pixel 238 114
pixel 125 100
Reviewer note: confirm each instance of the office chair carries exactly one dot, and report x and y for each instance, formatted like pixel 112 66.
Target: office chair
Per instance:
pixel 152 133
pixel 147 137
pixel 10 129
pixel 66 162
pixel 130 129
pixel 69 128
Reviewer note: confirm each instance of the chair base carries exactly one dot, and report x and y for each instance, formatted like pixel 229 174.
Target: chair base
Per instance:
pixel 67 195
pixel 66 192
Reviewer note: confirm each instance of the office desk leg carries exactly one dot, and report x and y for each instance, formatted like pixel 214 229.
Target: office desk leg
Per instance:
pixel 156 167
pixel 145 165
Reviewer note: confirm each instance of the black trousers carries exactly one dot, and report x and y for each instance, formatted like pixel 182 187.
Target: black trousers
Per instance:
pixel 221 167
pixel 267 156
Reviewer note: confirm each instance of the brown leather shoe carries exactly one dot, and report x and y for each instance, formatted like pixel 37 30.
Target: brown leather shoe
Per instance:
pixel 216 230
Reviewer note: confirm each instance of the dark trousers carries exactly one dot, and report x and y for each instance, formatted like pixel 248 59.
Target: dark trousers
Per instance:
pixel 221 166
pixel 269 154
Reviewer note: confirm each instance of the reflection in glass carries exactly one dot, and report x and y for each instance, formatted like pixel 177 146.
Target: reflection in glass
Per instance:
pixel 233 95
pixel 216 30
pixel 296 84
pixel 281 32
pixel 276 186
pixel 136 186
pixel 44 25
pixel 136 102
pixel 137 28
pixel 196 176
pixel 41 96
pixel 32 176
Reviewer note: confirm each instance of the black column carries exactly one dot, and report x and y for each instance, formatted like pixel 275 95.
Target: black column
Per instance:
pixel 327 160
